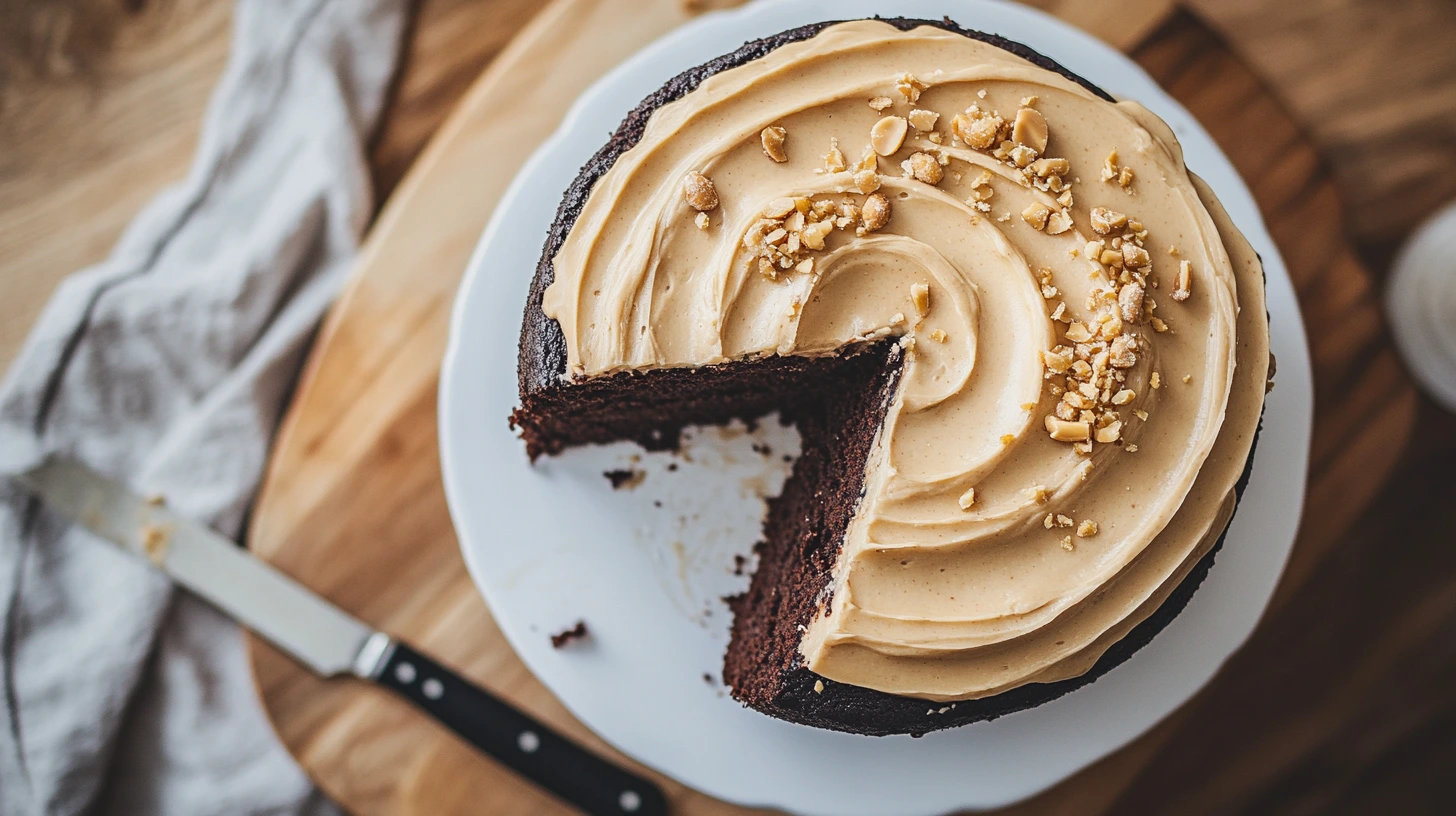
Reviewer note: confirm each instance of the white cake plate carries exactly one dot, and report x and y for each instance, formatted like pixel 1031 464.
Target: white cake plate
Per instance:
pixel 646 567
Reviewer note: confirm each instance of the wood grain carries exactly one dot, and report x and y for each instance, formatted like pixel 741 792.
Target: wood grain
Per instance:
pixel 100 105
pixel 1375 81
pixel 1343 699
pixel 353 506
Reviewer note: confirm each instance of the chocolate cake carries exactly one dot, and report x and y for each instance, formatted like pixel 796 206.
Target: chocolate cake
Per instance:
pixel 1014 474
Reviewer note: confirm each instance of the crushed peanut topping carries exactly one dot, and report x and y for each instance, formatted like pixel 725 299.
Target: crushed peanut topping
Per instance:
pixel 1058 223
pixel 910 87
pixel 1037 493
pixel 791 227
pixel 772 139
pixel 1067 430
pixel 699 192
pixel 920 297
pixel 1036 214
pixel 1087 529
pixel 702 220
pixel 939 336
pixel 968 498
pixel 1130 302
pixel 978 129
pixel 1046 168
pixel 888 134
pixel 1030 130
pixel 923 167
pixel 923 120
pixel 1185 281
pixel 1109 433
pixel 875 213
pixel 834 159
pixel 879 103
pixel 1067 543
pixel 818 686
pixel 1106 222
pixel 866 181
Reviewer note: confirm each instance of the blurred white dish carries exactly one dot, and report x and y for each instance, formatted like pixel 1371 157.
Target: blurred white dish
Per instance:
pixel 645 568
pixel 1420 304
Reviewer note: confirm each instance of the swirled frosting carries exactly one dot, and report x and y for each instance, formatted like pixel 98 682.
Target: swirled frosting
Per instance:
pixel 993 546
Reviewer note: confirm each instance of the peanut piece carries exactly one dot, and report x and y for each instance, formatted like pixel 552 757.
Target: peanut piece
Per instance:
pixel 1051 167
pixel 1036 215
pixel 699 192
pixel 1130 302
pixel 978 131
pixel 1064 431
pixel 1109 434
pixel 1134 256
pixel 920 297
pixel 1059 223
pixel 1185 280
pixel 1030 129
pixel 875 213
pixel 888 134
pixel 772 138
pixel 923 120
pixel 923 167
pixel 1105 221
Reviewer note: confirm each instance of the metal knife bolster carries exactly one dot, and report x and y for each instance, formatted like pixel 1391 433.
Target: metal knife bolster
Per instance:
pixel 373 656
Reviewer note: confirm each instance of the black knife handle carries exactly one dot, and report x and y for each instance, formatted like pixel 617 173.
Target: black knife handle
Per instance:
pixel 528 747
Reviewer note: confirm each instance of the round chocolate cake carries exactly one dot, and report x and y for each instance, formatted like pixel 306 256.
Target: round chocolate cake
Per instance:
pixel 1026 349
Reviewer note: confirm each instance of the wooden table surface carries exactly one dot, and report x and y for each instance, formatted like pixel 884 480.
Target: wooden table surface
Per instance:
pixel 1343 701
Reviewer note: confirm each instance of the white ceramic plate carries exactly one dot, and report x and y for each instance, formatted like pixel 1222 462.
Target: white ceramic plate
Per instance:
pixel 645 568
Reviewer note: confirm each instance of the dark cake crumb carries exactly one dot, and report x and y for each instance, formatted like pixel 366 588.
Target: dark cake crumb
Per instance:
pixel 565 637
pixel 625 478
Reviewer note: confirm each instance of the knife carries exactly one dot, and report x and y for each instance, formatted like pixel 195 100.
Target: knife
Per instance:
pixel 331 642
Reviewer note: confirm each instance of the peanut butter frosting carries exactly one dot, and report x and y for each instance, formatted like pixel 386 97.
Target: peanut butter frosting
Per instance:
pixel 1084 330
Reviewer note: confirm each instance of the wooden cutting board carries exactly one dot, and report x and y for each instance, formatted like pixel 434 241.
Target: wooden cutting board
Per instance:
pixel 353 506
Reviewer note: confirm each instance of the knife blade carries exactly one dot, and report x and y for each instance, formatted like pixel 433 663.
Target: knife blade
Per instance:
pixel 331 642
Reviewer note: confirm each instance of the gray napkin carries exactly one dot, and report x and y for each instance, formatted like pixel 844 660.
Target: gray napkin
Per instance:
pixel 167 365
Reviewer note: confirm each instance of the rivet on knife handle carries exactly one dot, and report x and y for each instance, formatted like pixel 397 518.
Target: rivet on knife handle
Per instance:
pixel 528 747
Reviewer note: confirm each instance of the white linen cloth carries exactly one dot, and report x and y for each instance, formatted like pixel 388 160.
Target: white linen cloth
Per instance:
pixel 167 365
